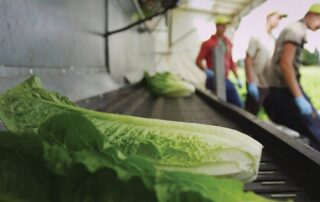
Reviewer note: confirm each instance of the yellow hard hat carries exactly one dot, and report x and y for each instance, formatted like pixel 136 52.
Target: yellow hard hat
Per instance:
pixel 224 20
pixel 315 8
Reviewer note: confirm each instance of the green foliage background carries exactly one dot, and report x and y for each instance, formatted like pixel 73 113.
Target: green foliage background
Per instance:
pixel 308 58
pixel 311 84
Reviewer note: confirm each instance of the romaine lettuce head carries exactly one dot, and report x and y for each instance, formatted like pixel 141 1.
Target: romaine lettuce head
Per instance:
pixel 173 146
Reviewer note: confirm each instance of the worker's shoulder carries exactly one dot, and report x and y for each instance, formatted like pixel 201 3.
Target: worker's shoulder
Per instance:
pixel 210 42
pixel 296 27
pixel 261 37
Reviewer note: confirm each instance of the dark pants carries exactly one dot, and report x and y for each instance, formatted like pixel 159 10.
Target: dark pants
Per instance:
pixel 284 111
pixel 253 106
pixel 231 92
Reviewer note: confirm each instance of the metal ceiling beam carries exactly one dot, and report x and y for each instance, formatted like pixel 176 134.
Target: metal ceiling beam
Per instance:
pixel 224 7
pixel 170 24
pixel 194 10
pixel 232 2
pixel 249 7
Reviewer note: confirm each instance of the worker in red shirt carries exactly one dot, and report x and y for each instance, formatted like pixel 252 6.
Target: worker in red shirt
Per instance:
pixel 205 63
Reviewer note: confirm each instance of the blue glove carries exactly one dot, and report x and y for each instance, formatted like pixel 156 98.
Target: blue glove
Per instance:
pixel 209 72
pixel 253 91
pixel 303 105
pixel 239 83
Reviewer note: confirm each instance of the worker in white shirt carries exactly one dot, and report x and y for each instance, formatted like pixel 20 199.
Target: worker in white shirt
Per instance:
pixel 258 59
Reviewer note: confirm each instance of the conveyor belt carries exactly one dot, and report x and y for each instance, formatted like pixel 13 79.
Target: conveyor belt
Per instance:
pixel 274 181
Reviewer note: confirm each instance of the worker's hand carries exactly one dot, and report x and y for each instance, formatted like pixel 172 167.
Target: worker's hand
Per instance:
pixel 209 72
pixel 239 83
pixel 303 105
pixel 253 91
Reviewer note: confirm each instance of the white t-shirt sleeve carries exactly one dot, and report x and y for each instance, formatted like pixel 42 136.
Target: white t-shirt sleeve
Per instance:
pixel 252 47
pixel 295 35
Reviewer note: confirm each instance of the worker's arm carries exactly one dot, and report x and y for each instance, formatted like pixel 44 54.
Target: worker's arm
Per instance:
pixel 234 70
pixel 233 66
pixel 248 68
pixel 252 50
pixel 201 56
pixel 286 63
pixel 251 86
pixel 201 63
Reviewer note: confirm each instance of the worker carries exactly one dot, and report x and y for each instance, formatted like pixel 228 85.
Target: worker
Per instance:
pixel 257 61
pixel 205 63
pixel 291 106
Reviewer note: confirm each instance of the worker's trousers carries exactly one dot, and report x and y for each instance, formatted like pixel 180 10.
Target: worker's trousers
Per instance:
pixel 231 92
pixel 284 111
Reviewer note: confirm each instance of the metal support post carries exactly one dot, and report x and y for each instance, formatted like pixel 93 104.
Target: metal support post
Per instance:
pixel 218 60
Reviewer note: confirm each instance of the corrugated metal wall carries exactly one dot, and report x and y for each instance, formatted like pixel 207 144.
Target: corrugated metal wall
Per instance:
pixel 129 52
pixel 62 41
pixel 52 33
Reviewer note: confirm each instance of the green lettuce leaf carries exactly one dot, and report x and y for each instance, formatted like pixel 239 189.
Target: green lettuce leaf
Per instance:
pixel 23 174
pixel 66 162
pixel 168 84
pixel 171 145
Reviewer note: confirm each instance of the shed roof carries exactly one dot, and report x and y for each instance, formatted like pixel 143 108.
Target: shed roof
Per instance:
pixel 235 9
